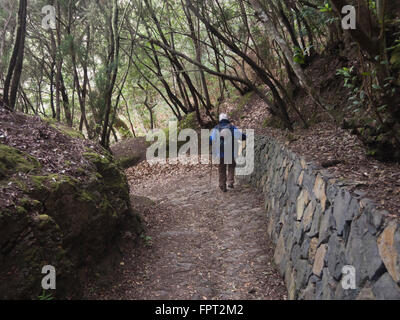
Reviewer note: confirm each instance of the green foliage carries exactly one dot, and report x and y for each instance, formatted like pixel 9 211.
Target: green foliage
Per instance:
pixel 327 13
pixel 325 8
pixel 369 101
pixel 394 51
pixel 126 133
pixel 46 296
pixel 349 79
pixel 359 96
pixel 395 59
pixel 299 56
pixel 372 4
pixel 148 240
pixel 13 160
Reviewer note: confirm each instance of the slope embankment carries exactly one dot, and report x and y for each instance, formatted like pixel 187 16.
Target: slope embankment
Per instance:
pixel 63 202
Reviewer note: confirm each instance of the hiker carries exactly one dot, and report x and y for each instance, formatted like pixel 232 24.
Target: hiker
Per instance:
pixel 224 138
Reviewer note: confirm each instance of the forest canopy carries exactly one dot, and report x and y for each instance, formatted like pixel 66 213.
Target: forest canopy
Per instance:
pixel 116 69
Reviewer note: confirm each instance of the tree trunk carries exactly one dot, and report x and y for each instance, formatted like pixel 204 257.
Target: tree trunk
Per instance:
pixel 114 63
pixel 15 67
pixel 270 27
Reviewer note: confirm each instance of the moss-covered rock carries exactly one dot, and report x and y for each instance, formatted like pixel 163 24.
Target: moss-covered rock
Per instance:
pixel 63 128
pixel 60 220
pixel 69 131
pixel 130 152
pixel 13 160
pixel 129 161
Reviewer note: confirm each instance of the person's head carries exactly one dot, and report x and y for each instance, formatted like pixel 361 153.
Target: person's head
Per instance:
pixel 223 116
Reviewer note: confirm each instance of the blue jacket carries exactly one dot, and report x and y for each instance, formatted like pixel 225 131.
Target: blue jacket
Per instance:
pixel 218 150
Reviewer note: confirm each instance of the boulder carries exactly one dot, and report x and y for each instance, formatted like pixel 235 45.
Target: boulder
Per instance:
pixel 70 220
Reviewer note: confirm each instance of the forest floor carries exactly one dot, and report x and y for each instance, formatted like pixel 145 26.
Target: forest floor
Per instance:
pixel 199 243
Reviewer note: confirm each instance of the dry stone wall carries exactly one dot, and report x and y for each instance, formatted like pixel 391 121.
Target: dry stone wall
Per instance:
pixel 319 228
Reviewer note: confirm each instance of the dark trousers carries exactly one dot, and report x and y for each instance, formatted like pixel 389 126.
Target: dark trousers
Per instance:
pixel 222 173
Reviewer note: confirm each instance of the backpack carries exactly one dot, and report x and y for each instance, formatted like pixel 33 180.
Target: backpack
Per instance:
pixel 224 131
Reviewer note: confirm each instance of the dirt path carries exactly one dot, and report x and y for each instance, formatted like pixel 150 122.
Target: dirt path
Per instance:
pixel 199 243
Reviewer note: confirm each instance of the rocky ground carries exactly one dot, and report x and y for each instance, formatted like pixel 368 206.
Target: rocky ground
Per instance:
pixel 199 243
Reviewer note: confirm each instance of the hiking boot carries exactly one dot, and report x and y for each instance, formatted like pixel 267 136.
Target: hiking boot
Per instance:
pixel 230 186
pixel 223 189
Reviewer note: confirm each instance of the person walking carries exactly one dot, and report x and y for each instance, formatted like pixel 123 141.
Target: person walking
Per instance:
pixel 224 140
